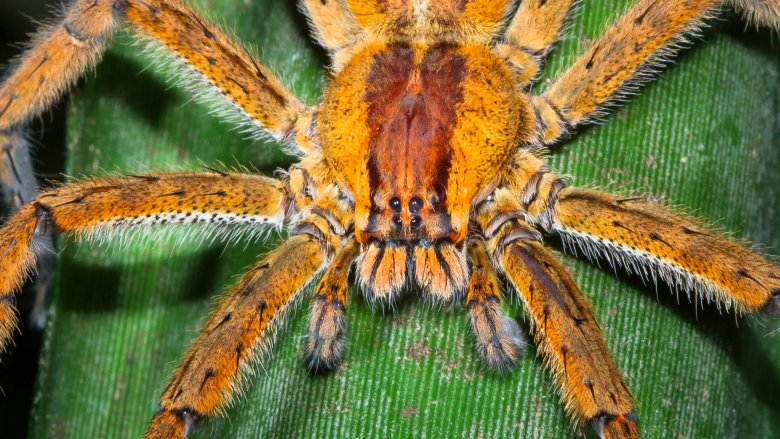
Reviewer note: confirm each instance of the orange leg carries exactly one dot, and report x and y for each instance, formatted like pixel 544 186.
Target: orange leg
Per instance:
pixel 333 23
pixel 240 331
pixel 62 52
pixel 617 63
pixel 99 209
pixel 567 335
pixel 326 339
pixel 655 243
pixel 536 26
pixel 499 339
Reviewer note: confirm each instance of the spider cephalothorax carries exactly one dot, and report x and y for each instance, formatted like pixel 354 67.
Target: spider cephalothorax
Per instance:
pixel 422 167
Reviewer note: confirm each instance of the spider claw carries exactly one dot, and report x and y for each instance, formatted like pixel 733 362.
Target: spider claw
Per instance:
pixel 772 305
pixel 616 426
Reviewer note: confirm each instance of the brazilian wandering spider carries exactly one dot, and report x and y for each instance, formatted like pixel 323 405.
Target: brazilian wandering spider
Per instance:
pixel 444 247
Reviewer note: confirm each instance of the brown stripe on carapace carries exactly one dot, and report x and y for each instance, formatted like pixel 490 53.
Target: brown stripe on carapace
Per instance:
pixel 412 114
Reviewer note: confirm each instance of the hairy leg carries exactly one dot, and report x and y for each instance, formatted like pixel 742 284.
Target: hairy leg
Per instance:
pixel 499 339
pixel 326 339
pixel 567 335
pixel 100 209
pixel 333 23
pixel 617 63
pixel 63 51
pixel 536 26
pixel 239 332
pixel 655 243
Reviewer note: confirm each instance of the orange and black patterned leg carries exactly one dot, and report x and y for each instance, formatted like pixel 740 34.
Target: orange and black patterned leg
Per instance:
pixel 326 339
pixel 63 51
pixel 499 338
pixel 100 209
pixel 237 335
pixel 536 26
pixel 617 63
pixel 567 335
pixel 333 23
pixel 659 245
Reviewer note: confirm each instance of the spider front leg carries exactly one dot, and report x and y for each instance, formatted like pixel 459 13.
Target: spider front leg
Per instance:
pixel 619 61
pixel 100 209
pixel 655 243
pixel 239 331
pixel 63 51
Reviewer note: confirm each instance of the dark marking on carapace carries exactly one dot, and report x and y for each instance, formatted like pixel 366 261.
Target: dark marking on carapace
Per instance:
pixel 412 112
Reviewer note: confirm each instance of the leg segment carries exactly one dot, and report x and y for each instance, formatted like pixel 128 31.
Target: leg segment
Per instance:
pixel 64 51
pixel 567 335
pixel 658 244
pixel 333 23
pixel 240 330
pixel 618 62
pixel 224 66
pixel 499 339
pixel 325 342
pixel 535 28
pixel 104 208
pixel 56 59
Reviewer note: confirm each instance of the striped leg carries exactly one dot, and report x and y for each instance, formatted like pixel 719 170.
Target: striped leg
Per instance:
pixel 239 332
pixel 657 244
pixel 618 62
pixel 100 209
pixel 567 335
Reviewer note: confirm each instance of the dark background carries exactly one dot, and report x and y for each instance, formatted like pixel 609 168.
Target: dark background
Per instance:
pixel 18 367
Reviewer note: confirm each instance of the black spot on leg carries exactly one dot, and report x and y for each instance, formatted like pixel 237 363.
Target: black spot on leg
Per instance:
pixel 7 104
pixel 638 20
pixel 76 35
pixel 178 193
pixel 589 64
pixel 656 237
pixel 744 273
pixel 40 64
pixel 224 320
pixel 210 373
pixel 239 354
pixel 589 384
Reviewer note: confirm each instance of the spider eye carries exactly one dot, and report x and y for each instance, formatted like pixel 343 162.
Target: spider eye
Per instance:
pixel 395 204
pixel 415 204
pixel 397 221
pixel 416 222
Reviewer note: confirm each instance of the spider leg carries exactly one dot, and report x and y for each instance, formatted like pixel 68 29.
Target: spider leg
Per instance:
pixel 499 339
pixel 17 179
pixel 238 333
pixel 566 333
pixel 617 63
pixel 759 12
pixel 64 50
pixel 333 23
pixel 536 26
pixel 325 341
pixel 99 209
pixel 656 243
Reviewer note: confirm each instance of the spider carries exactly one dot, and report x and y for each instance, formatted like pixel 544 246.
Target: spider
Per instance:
pixel 450 216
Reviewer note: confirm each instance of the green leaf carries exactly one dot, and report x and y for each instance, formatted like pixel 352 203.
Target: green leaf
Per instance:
pixel 704 136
